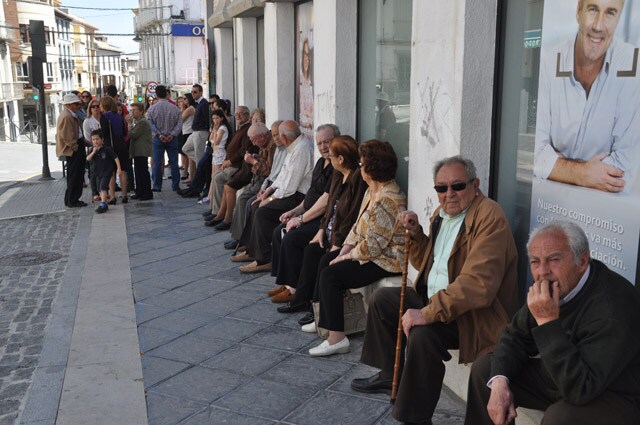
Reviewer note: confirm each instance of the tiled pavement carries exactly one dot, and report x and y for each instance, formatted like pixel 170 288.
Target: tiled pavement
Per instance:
pixel 214 348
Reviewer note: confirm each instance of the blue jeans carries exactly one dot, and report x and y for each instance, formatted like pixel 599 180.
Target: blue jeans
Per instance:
pixel 158 161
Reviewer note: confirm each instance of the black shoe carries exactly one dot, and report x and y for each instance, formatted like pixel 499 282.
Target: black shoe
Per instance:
pixel 290 307
pixel 223 226
pixel 112 202
pixel 181 191
pixel 81 204
pixel 212 223
pixel 102 209
pixel 373 384
pixel 231 244
pixel 145 198
pixel 124 200
pixel 189 193
pixel 207 212
pixel 209 217
pixel 156 190
pixel 306 319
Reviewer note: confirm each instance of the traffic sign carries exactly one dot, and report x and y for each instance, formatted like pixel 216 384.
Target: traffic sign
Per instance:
pixel 151 86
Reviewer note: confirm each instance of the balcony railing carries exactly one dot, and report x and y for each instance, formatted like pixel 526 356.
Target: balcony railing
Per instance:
pixel 11 91
pixel 147 17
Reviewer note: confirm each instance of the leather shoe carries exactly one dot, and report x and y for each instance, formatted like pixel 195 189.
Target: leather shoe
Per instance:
pixel 310 327
pixel 373 384
pixel 208 217
pixel 189 194
pixel 255 268
pixel 306 319
pixel 277 290
pixel 212 223
pixel 325 349
pixel 283 297
pixel 231 244
pixel 207 212
pixel 290 307
pixel 223 226
pixel 243 257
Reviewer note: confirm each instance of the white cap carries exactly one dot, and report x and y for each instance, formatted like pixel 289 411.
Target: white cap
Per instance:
pixel 70 98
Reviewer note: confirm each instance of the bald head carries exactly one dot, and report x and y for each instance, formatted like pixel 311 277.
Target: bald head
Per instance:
pixel 289 132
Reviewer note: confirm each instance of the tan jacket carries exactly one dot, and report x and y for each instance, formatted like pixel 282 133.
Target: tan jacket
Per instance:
pixel 482 295
pixel 67 131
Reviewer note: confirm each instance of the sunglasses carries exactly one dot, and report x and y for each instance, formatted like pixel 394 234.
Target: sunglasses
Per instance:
pixel 95 106
pixel 85 96
pixel 457 187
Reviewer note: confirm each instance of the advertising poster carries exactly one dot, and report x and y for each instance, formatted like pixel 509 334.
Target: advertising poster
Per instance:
pixel 304 67
pixel 587 143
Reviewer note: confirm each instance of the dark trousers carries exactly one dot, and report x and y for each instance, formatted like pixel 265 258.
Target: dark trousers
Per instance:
pixel 534 388
pixel 92 179
pixel 202 178
pixel 424 353
pixel 311 258
pixel 333 280
pixel 265 220
pixel 287 252
pixel 75 176
pixel 142 177
pixel 132 181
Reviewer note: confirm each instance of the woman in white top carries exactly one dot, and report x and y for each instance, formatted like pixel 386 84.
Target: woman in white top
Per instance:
pixel 92 122
pixel 188 108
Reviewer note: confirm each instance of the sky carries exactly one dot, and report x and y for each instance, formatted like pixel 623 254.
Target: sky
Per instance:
pixel 109 21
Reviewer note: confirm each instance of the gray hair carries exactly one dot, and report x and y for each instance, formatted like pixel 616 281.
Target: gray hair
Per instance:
pixel 576 238
pixel 257 128
pixel 244 109
pixel 468 165
pixel 276 123
pixel 334 128
pixel 289 129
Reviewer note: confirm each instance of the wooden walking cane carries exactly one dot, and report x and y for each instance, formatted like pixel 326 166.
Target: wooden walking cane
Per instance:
pixel 396 364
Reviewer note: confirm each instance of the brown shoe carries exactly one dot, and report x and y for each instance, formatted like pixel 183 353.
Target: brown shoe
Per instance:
pixel 242 257
pixel 255 268
pixel 277 290
pixel 283 297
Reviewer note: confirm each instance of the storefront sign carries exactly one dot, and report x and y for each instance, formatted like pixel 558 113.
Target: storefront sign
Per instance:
pixel 186 30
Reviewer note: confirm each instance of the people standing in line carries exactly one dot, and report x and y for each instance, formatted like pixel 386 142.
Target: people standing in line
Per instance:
pixel 188 110
pixel 92 122
pixel 140 149
pixel 166 125
pixel 70 144
pixel 195 144
pixel 105 163
pixel 115 130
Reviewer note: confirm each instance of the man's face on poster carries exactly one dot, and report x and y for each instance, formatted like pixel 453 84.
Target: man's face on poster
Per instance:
pixel 597 22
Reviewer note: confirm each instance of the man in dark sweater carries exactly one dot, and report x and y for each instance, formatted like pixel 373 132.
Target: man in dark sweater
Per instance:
pixel 573 350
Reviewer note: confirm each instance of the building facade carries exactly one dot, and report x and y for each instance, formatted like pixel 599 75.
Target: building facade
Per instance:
pixel 173 48
pixel 435 79
pixel 10 91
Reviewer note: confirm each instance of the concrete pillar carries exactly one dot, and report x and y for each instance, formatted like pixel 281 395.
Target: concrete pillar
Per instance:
pixel 335 63
pixel 279 56
pixel 246 50
pixel 452 68
pixel 223 41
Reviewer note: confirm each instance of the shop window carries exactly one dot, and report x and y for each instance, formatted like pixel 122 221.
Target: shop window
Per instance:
pixel 384 53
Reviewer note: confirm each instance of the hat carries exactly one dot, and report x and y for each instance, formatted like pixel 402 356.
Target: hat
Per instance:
pixel 382 96
pixel 70 98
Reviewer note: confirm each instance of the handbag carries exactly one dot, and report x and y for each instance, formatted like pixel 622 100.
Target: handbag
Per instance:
pixel 355 316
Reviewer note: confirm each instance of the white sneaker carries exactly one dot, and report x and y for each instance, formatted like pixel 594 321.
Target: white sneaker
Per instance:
pixel 325 349
pixel 309 327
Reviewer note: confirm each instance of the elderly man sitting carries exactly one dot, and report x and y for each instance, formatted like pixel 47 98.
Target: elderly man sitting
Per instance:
pixel 464 296
pixel 573 350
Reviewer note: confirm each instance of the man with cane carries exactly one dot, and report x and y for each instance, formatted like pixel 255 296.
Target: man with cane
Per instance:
pixel 465 294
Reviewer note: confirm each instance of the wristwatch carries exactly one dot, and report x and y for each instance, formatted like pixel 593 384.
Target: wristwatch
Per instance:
pixel 301 219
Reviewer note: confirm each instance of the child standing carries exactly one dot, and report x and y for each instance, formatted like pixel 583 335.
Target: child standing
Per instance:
pixel 104 159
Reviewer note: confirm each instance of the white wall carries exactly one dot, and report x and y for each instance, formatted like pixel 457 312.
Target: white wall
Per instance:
pixel 279 67
pixel 335 64
pixel 187 51
pixel 451 91
pixel 223 41
pixel 246 50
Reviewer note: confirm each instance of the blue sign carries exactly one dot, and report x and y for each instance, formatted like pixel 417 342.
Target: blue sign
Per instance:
pixel 532 39
pixel 186 30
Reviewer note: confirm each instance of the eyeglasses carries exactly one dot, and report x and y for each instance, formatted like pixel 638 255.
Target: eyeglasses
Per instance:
pixel 86 96
pixel 457 187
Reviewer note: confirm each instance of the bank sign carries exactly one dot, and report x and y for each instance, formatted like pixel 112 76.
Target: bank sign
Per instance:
pixel 186 30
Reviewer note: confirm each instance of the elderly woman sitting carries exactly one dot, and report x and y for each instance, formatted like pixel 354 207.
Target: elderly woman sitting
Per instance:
pixel 372 250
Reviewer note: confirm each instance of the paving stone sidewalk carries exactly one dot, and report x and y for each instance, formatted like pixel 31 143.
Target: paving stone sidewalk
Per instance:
pixel 33 258
pixel 214 348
